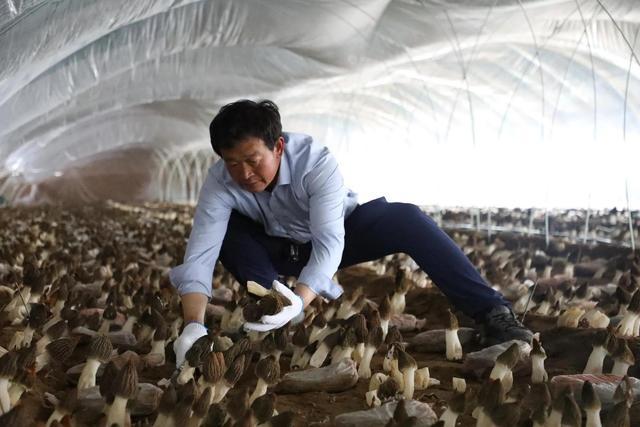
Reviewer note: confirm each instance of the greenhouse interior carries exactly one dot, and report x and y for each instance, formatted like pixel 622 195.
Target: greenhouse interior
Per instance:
pixel 320 213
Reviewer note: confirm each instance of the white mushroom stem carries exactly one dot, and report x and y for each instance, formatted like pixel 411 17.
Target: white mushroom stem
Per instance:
pixel 597 319
pixel 593 417
pixel 364 370
pixel 555 419
pixel 15 392
pixel 627 324
pixel 345 310
pixel 260 390
pixel 145 333
pixel 504 374
pixel 397 375
pixel 339 352
pixel 5 400
pixel 423 378
pixel 186 373
pixel 128 325
pixel 636 327
pixel 319 356
pixel 408 377
pixel 117 412
pixel 221 389
pixel 538 373
pixel 449 418
pixel 372 398
pixel 104 326
pixel 315 333
pixel 42 343
pixel 543 308
pixel 376 379
pixel 398 303
pixel 596 360
pixel 157 347
pixel 384 324
pixel 620 368
pixel 57 415
pixel 42 360
pixel 329 313
pixel 303 361
pixel 454 348
pixel 298 351
pixel 175 329
pixel 358 353
pixel 88 375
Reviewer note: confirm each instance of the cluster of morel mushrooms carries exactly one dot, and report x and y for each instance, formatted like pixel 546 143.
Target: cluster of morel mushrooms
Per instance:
pixel 89 318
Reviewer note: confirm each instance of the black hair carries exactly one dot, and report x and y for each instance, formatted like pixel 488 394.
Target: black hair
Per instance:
pixel 244 119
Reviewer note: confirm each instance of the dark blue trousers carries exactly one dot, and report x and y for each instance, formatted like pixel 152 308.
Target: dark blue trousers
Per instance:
pixel 373 230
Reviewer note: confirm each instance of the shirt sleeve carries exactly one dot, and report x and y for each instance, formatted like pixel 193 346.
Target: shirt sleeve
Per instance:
pixel 209 228
pixel 326 190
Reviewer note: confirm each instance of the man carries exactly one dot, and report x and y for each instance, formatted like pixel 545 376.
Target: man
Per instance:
pixel 276 205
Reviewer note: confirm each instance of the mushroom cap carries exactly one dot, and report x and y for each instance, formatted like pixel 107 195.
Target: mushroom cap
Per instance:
pixel 38 315
pixel 213 367
pixel 100 348
pixel 389 388
pixel 110 312
pixel 8 365
pixel 385 308
pixel 281 338
pixel 268 369
pixel 491 394
pixel 126 383
pixel 405 360
pixel 109 375
pixel 359 325
pixel 161 333
pixel 571 415
pixel 252 312
pixel 374 337
pixel 62 348
pixel 349 338
pixel 623 353
pixel 334 338
pixel 27 356
pixel 198 351
pixel 168 400
pixel 238 404
pixel 394 336
pixel 634 303
pixel 239 347
pixel 510 356
pixel 373 319
pixel 319 321
pixel 537 349
pixel 301 335
pixel 457 402
pixel 215 416
pixel 590 399
pixel 263 407
pixel 271 304
pixel 506 414
pixel 201 406
pixel 235 370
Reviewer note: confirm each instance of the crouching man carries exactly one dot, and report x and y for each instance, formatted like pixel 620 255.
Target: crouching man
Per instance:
pixel 277 205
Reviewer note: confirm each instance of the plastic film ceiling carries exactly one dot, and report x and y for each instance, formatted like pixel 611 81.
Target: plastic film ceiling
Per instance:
pixel 472 103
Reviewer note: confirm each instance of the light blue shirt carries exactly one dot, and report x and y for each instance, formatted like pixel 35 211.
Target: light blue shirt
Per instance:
pixel 308 203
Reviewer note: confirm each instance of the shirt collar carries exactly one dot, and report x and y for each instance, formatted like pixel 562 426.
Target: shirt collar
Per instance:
pixel 284 174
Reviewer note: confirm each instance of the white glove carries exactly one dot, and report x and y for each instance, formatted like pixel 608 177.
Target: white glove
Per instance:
pixel 183 343
pixel 275 321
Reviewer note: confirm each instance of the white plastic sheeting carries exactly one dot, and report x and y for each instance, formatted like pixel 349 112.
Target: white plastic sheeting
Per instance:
pixel 450 102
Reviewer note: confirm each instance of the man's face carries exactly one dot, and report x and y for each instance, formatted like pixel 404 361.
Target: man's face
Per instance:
pixel 252 165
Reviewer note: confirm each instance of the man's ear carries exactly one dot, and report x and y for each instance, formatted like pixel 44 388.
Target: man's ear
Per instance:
pixel 278 148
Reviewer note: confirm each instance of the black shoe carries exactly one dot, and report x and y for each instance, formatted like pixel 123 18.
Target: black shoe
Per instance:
pixel 500 325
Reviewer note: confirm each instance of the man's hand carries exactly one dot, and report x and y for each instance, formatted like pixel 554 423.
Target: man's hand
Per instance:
pixel 268 323
pixel 183 343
